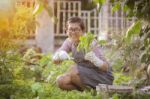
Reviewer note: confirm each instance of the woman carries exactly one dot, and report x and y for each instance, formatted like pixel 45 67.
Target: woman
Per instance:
pixel 90 68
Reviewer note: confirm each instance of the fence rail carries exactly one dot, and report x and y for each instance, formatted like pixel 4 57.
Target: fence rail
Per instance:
pixel 96 22
pixel 25 3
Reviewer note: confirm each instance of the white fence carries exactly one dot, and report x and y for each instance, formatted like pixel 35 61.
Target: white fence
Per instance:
pixel 115 22
pixel 96 22
pixel 64 10
pixel 26 3
pixel 104 21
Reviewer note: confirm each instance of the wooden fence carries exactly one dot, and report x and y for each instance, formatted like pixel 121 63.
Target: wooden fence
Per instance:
pixel 104 21
pixel 96 22
pixel 26 3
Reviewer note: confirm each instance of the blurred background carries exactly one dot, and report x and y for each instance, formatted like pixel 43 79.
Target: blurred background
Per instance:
pixel 45 28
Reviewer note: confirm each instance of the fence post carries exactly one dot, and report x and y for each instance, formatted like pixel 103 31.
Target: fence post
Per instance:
pixel 89 21
pixel 104 20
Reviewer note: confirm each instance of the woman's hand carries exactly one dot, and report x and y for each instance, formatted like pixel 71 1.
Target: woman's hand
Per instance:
pixel 90 56
pixel 60 56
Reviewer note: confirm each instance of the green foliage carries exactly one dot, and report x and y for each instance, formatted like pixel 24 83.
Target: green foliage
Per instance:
pixel 87 5
pixel 121 78
pixel 23 23
pixel 116 7
pixel 145 35
pixel 139 8
pixel 102 42
pixel 134 29
pixel 34 76
pixel 45 60
pixel 85 42
pixel 38 9
pixel 100 3
pixel 6 44
pixel 115 96
pixel 37 88
pixel 7 66
pixel 43 5
pixel 10 66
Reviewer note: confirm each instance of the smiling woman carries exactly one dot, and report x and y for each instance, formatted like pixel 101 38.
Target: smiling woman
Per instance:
pixel 75 29
pixel 89 69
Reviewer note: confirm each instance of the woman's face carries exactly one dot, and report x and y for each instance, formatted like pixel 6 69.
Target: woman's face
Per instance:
pixel 74 31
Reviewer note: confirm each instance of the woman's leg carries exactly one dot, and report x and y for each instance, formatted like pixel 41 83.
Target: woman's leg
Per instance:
pixel 70 80
pixel 75 78
pixel 64 82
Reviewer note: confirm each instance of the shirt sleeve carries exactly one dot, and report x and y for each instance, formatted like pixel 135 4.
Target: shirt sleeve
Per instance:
pixel 66 46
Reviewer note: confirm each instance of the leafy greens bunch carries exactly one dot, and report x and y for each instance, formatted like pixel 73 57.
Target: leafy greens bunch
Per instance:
pixel 85 42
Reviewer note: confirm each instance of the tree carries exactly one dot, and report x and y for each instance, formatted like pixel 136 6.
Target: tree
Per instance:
pixel 141 10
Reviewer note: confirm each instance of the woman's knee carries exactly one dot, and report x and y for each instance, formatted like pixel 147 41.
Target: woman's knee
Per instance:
pixel 75 77
pixel 62 80
pixel 74 71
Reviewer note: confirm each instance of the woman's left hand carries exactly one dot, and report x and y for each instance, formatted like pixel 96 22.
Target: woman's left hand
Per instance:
pixel 90 56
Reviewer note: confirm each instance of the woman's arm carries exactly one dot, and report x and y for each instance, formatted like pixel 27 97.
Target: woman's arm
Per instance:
pixel 104 64
pixel 96 57
pixel 62 53
pixel 66 46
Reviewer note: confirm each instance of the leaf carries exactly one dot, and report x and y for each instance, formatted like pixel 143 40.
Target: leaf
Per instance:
pixel 143 57
pixel 100 3
pixel 85 42
pixel 125 8
pixel 115 96
pixel 44 60
pixel 36 87
pixel 102 42
pixel 116 7
pixel 133 29
pixel 38 9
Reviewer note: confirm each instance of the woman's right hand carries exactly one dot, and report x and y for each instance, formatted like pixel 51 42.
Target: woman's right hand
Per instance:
pixel 60 56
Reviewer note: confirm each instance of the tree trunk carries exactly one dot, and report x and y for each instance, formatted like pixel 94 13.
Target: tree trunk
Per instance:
pixel 45 31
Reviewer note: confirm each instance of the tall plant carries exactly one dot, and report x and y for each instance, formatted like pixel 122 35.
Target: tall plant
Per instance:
pixel 85 42
pixel 138 32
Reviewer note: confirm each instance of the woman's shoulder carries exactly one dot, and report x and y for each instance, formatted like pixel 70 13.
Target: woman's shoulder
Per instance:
pixel 66 45
pixel 68 41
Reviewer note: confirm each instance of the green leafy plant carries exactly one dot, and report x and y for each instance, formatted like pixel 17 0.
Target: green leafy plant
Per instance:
pixel 145 36
pixel 100 3
pixel 85 42
pixel 23 23
pixel 135 28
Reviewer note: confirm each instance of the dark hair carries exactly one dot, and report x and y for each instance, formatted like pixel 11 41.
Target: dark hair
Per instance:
pixel 76 20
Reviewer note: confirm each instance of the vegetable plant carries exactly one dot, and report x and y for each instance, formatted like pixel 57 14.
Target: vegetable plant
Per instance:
pixel 85 42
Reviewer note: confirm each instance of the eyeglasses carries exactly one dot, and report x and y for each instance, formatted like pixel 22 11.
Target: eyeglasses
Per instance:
pixel 74 29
